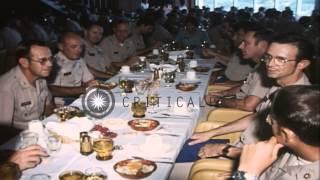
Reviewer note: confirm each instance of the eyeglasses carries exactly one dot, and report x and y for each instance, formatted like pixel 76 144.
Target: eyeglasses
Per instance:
pixel 267 58
pixel 44 60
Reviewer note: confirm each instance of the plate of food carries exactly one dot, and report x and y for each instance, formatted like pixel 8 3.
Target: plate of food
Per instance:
pixel 104 131
pixel 201 69
pixel 107 85
pixel 135 168
pixel 186 86
pixel 71 175
pixel 143 124
pixel 68 112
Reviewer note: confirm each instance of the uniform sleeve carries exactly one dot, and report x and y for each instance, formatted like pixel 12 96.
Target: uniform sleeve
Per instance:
pixel 256 87
pixel 107 49
pixel 86 76
pixel 6 107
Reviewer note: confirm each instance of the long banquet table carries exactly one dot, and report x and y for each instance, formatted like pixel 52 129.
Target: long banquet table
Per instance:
pixel 174 131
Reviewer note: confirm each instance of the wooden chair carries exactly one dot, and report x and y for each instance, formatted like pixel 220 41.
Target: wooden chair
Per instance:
pixel 226 115
pixel 212 168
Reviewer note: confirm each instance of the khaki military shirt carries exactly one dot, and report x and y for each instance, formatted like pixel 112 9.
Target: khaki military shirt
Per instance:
pixel 291 167
pixel 238 69
pixel 71 73
pixel 95 58
pixel 249 135
pixel 256 84
pixel 137 39
pixel 116 51
pixel 20 101
pixel 161 34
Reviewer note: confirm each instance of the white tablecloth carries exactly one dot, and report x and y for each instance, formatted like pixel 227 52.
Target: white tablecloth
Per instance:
pixel 173 130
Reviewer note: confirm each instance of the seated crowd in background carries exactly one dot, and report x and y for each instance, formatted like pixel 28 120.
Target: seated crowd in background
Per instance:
pixel 52 62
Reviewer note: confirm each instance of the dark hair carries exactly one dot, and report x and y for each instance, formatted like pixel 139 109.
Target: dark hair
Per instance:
pixel 67 35
pixel 118 21
pixel 90 24
pixel 192 20
pixel 260 33
pixel 297 108
pixel 305 48
pixel 147 21
pixel 24 49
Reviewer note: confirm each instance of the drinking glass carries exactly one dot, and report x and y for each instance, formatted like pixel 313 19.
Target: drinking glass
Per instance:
pixel 152 100
pixel 53 144
pixel 40 177
pixel 95 173
pixel 28 138
pixel 103 147
pixel 140 87
pixel 139 108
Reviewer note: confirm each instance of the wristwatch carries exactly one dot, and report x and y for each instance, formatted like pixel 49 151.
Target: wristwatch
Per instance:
pixel 242 175
pixel 219 102
pixel 225 150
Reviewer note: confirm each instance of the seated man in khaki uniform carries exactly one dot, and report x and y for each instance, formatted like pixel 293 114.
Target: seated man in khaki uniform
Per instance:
pixel 257 84
pixel 23 91
pixel 71 76
pixel 286 58
pixel 144 27
pixel 118 48
pixel 295 121
pixel 93 55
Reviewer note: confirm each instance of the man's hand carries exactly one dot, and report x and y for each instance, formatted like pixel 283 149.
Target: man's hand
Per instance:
pixel 133 60
pixel 211 150
pixel 208 53
pixel 91 83
pixel 28 157
pixel 212 99
pixel 255 158
pixel 200 137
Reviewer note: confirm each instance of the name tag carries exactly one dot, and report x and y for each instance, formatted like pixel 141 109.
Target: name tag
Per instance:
pixel 91 54
pixel 25 103
pixel 67 73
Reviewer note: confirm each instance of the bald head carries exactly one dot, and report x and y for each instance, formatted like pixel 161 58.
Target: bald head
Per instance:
pixel 70 45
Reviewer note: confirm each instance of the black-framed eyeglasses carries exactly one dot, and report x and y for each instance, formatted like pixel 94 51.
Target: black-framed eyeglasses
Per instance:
pixel 267 58
pixel 44 60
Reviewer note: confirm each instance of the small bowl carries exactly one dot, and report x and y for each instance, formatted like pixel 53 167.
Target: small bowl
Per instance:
pixel 143 124
pixel 186 86
pixel 134 164
pixel 108 85
pixel 71 175
pixel 201 69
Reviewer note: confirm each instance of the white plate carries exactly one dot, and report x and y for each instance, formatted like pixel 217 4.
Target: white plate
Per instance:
pixel 191 81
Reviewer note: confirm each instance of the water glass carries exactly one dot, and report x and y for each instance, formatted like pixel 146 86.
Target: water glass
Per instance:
pixel 95 173
pixel 28 138
pixel 40 177
pixel 103 148
pixel 53 143
pixel 140 87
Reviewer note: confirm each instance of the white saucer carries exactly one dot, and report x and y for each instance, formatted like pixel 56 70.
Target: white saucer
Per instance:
pixel 191 81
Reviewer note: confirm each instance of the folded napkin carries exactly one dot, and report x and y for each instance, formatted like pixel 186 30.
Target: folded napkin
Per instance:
pixel 71 128
pixel 114 123
pixel 182 108
pixel 176 53
pixel 155 146
pixel 165 67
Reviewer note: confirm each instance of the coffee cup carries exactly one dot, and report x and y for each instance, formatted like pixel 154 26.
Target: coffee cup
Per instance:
pixel 191 75
pixel 193 64
pixel 125 69
pixel 155 51
pixel 142 58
